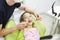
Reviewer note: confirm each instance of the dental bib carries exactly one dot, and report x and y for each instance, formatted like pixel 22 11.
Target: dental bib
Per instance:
pixel 31 34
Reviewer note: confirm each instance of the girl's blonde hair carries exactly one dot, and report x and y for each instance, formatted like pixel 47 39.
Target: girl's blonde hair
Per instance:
pixel 22 19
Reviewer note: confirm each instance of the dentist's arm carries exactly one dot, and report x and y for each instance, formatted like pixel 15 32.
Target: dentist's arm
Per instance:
pixel 27 9
pixel 20 26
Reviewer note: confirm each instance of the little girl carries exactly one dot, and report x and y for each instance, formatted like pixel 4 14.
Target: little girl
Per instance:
pixel 30 32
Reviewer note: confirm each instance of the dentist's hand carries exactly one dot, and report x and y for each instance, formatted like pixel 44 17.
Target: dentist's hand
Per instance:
pixel 38 17
pixel 21 25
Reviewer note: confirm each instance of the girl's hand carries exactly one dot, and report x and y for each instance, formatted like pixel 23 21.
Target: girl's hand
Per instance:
pixel 22 25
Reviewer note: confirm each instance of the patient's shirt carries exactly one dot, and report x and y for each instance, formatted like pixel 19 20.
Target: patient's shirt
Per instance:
pixel 31 34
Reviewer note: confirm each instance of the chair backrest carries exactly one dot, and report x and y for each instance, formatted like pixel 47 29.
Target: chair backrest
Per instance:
pixel 39 25
pixel 12 35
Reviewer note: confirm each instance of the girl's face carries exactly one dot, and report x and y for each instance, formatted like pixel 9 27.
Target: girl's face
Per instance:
pixel 27 18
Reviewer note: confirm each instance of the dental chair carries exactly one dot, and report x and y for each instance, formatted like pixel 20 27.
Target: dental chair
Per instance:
pixel 18 35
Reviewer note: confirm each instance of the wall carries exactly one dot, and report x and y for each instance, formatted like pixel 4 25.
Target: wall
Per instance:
pixel 39 5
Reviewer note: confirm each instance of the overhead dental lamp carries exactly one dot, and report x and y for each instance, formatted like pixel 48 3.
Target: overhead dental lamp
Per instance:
pixel 53 11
